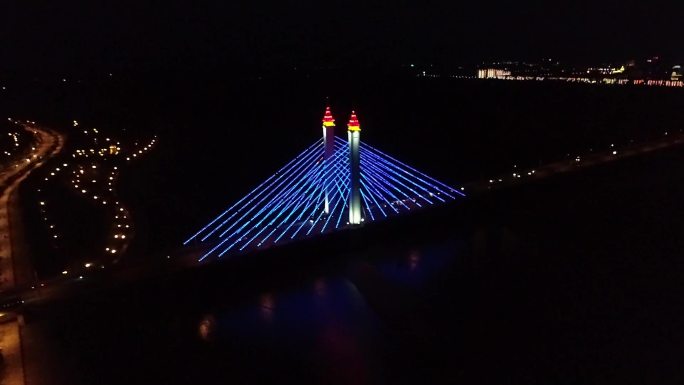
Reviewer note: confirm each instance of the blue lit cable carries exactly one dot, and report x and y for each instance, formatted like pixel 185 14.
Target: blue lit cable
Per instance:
pixel 371 186
pixel 273 205
pixel 365 201
pixel 251 192
pixel 344 192
pixel 308 157
pixel 378 184
pixel 381 162
pixel 306 197
pixel 311 205
pixel 380 165
pixel 411 168
pixel 384 174
pixel 268 188
pixel 389 164
pixel 338 199
pixel 315 222
pixel 310 199
pixel 311 213
pixel 377 204
pixel 288 200
pixel 296 172
pixel 343 195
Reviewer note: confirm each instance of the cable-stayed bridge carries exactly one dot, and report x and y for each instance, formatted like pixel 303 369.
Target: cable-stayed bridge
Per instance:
pixel 334 183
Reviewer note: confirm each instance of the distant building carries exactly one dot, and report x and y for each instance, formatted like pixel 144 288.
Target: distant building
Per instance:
pixel 677 73
pixel 599 70
pixel 493 73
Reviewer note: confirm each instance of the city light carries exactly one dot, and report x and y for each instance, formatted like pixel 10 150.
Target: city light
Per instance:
pixel 99 176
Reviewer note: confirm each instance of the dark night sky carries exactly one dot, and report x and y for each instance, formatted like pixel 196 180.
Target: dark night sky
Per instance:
pixel 78 35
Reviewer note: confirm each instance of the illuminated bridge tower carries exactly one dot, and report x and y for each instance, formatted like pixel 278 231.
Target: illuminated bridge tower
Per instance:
pixel 329 140
pixel 345 176
pixel 354 132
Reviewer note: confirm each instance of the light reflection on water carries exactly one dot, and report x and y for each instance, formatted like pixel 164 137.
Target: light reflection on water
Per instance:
pixel 334 321
pixel 266 304
pixel 207 328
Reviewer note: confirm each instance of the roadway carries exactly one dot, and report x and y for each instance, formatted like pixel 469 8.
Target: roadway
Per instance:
pixel 14 265
pixel 48 144
pixel 574 162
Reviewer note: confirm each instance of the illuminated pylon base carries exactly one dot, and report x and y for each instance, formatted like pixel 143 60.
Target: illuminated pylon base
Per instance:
pixel 291 203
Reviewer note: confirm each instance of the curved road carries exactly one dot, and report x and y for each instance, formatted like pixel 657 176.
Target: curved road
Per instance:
pixel 48 144
pixel 13 268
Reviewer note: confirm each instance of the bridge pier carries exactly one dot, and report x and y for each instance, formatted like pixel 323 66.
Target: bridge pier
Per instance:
pixel 354 138
pixel 328 152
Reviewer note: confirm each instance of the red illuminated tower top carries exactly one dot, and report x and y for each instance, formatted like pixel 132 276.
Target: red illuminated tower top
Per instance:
pixel 328 120
pixel 353 124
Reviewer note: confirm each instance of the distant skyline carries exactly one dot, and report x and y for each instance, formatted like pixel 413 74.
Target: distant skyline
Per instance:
pixel 76 35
